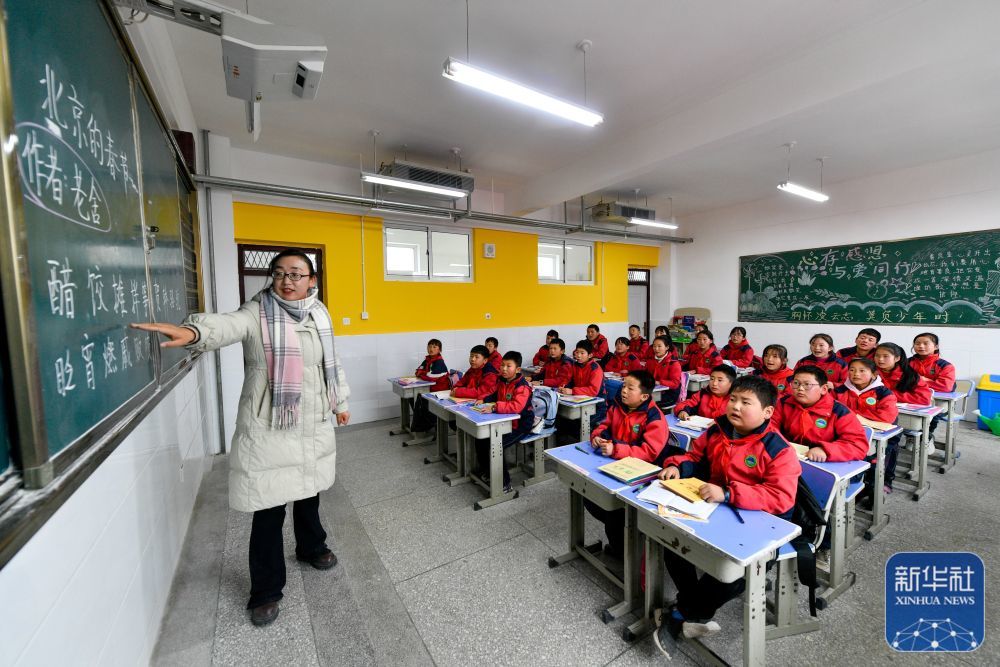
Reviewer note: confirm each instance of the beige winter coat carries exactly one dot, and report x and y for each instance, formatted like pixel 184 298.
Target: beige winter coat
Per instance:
pixel 269 467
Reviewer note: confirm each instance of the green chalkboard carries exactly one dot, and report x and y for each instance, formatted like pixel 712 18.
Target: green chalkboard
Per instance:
pixel 950 280
pixel 77 157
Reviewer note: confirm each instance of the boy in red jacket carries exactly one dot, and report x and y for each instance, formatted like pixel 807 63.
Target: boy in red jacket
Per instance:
pixel 480 380
pixel 750 466
pixel 637 345
pixel 558 370
pixel 712 400
pixel 623 360
pixel 864 345
pixel 811 416
pixel 495 358
pixel 634 427
pixel 431 369
pixel 512 396
pixel 703 356
pixel 543 352
pixel 587 380
pixel 599 341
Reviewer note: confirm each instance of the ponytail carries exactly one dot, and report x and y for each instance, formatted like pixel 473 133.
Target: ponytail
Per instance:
pixel 910 378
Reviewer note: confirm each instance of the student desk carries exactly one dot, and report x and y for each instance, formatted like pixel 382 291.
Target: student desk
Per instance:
pixel 582 410
pixel 946 400
pixel 579 472
pixel 613 384
pixel 531 370
pixel 696 382
pixel 838 580
pixel 673 425
pixel 440 408
pixel 406 393
pixel 472 426
pixel 918 418
pixel 879 520
pixel 724 548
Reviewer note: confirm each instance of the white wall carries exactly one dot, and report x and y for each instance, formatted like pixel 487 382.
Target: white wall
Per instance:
pixel 943 197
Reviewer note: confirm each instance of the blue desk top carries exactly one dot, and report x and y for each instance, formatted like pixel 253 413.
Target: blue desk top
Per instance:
pixel 590 401
pixel 586 464
pixel 479 417
pixel 886 434
pixel 919 410
pixel 741 542
pixel 950 395
pixel 411 385
pixel 842 469
pixel 672 422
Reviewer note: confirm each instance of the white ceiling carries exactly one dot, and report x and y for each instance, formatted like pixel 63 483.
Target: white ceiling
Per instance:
pixel 697 96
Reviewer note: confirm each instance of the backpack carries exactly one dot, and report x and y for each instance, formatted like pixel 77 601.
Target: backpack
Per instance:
pixel 545 404
pixel 808 515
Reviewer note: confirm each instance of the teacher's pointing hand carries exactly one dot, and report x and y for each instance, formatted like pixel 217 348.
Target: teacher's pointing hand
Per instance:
pixel 179 336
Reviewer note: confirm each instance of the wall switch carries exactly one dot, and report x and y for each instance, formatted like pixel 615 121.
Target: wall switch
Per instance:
pixel 364 314
pixel 347 320
pixel 604 309
pixel 488 316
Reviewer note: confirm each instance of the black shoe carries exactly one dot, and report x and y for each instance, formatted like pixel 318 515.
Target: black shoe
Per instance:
pixel 669 627
pixel 323 561
pixel 264 614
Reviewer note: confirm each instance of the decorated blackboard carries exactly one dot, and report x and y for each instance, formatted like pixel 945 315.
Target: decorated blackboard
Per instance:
pixel 950 280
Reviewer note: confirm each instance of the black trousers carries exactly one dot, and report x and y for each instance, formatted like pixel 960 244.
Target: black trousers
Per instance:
pixel 699 598
pixel 614 526
pixel 267 553
pixel 483 449
pixel 422 419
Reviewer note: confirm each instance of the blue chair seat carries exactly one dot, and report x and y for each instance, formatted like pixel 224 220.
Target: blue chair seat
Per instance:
pixel 853 489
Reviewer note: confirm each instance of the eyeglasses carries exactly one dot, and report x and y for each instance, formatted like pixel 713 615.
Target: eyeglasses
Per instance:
pixel 294 277
pixel 803 385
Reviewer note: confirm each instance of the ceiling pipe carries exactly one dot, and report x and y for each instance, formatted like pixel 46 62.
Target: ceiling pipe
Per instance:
pixel 404 207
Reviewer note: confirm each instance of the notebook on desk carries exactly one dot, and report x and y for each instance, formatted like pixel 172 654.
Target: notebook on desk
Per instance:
pixel 878 426
pixel 696 423
pixel 630 470
pixel 697 377
pixel 407 380
pixel 576 398
pixel 445 395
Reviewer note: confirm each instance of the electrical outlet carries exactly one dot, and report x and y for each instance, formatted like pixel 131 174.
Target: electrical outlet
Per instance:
pixel 347 320
pixel 364 314
pixel 604 309
pixel 488 316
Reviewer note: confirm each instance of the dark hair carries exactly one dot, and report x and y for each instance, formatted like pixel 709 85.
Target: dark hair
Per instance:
pixel 646 381
pixel 726 370
pixel 558 341
pixel 666 341
pixel 480 350
pixel 553 333
pixel 910 378
pixel 827 337
pixel 511 355
pixel 435 341
pixel 585 345
pixel 291 252
pixel 932 336
pixel 708 333
pixel 815 371
pixel 743 332
pixel 493 340
pixel 665 329
pixel 594 327
pixel 759 387
pixel 866 362
pixel 871 332
pixel 635 326
pixel 621 339
pixel 774 347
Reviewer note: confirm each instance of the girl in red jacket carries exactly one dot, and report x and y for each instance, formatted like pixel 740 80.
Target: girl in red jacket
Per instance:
pixel 623 360
pixel 775 368
pixel 865 394
pixel 665 369
pixel 936 372
pixel 823 356
pixel 660 331
pixel 703 356
pixel 738 350
pixel 712 400
pixel 899 376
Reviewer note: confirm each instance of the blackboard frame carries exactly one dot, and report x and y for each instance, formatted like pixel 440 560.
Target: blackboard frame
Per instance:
pixel 43 483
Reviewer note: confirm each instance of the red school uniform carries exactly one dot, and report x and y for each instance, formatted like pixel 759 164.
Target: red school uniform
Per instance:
pixel 623 363
pixel 495 359
pixel 600 347
pixel 513 397
pixel 781 378
pixel 477 383
pixel 849 353
pixel 557 372
pixel 938 373
pixel 587 379
pixel 760 470
pixel 665 371
pixel 875 402
pixel 703 403
pixel 641 432
pixel 826 423
pixel 741 356
pixel 697 361
pixel 834 367
pixel 919 395
pixel 638 346
pixel 541 357
pixel 433 369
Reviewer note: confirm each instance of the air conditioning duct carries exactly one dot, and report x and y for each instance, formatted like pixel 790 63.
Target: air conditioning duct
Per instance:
pixel 428 175
pixel 617 212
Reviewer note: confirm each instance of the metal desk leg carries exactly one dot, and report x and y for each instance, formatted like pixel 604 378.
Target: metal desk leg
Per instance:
pixel 654 591
pixel 786 603
pixel 920 460
pixel 879 520
pixel 442 443
pixel 538 473
pixel 497 494
pixel 575 531
pixel 404 418
pixel 426 440
pixel 585 414
pixel 630 578
pixel 461 474
pixel 948 456
pixel 838 580
pixel 754 614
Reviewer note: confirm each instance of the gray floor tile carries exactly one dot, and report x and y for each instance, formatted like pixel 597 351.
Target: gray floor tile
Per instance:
pixel 197 654
pixel 286 641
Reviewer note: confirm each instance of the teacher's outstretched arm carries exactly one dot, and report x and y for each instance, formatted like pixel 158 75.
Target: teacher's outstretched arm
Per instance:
pixel 178 336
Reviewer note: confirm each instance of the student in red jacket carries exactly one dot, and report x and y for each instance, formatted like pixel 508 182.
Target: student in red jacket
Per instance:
pixel 633 427
pixel 750 467
pixel 495 358
pixel 738 349
pixel 587 379
pixel 431 369
pixel 936 372
pixel 823 356
pixel 703 356
pixel 665 369
pixel 512 396
pixel 558 370
pixel 712 400
pixel 600 343
pixel 775 368
pixel 543 352
pixel 899 376
pixel 637 345
pixel 864 345
pixel 480 380
pixel 811 416
pixel 665 333
pixel 623 360
pixel 866 396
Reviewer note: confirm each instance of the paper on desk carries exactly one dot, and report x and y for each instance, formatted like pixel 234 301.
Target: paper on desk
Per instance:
pixel 445 395
pixel 912 406
pixel 654 493
pixel 482 407
pixel 698 377
pixel 878 426
pixel 407 380
pixel 668 513
pixel 576 398
pixel 686 488
pixel 696 422
pixel 801 450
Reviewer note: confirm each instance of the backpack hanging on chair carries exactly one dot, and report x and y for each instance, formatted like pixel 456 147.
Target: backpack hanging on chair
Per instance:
pixel 808 515
pixel 545 404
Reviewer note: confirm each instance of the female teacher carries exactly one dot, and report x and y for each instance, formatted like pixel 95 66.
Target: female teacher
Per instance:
pixel 284 448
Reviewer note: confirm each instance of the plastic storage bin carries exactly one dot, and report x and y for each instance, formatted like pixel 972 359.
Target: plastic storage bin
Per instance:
pixel 989 400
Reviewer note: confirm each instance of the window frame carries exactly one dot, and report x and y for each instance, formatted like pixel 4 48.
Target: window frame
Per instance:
pixel 563 242
pixel 429 231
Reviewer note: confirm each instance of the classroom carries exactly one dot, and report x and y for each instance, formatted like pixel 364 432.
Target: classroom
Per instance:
pixel 567 333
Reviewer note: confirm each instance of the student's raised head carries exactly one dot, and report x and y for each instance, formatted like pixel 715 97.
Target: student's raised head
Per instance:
pixel 721 379
pixel 557 348
pixel 867 339
pixel 704 339
pixel 550 334
pixel 774 357
pixel 925 344
pixel 821 345
pixel 637 387
pixel 889 357
pixel 634 331
pixel 661 345
pixel 621 345
pixel 809 384
pixel 292 274
pixel 478 355
pixel 861 372
pixel 661 331
pixel 583 351
pixel 433 346
pixel 751 403
pixel 737 335
pixel 592 331
pixel 492 344
pixel 510 366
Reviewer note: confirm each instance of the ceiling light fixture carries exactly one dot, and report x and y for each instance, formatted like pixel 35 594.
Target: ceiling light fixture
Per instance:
pixel 801 190
pixel 379 179
pixel 654 223
pixel 390 211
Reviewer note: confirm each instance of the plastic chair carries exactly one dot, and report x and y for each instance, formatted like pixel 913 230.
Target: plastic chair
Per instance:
pixel 536 468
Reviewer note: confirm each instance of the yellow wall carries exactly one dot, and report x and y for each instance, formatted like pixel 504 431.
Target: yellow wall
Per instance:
pixel 506 287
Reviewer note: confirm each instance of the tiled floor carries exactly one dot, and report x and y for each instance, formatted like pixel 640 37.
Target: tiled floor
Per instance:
pixel 423 579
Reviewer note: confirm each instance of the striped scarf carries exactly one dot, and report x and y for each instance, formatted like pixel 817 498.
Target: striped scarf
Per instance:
pixel 283 353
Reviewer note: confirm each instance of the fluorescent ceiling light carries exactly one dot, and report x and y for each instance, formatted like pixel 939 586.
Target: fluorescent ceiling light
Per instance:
pixel 652 223
pixel 456 70
pixel 390 211
pixel 796 189
pixel 413 185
